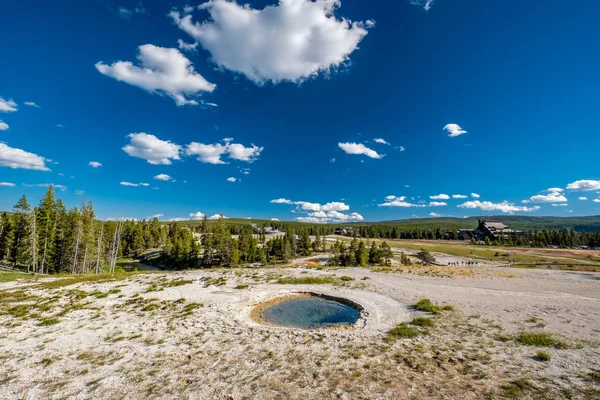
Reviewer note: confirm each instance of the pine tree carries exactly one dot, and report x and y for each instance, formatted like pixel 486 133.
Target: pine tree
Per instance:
pixel 386 253
pixel 22 227
pixel 6 236
pixel 362 255
pixel 374 255
pixel 46 222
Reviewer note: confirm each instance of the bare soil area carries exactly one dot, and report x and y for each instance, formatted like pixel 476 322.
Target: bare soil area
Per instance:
pixel 191 335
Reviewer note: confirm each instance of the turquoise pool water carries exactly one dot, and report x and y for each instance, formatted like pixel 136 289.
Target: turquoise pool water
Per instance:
pixel 311 313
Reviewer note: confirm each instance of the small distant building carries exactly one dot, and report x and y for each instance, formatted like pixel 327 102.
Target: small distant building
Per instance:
pixel 344 231
pixel 494 230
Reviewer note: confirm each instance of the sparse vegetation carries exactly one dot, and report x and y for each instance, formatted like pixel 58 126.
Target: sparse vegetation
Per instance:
pixel 403 331
pixel 542 356
pixel 428 306
pixel 517 388
pixel 309 280
pixel 422 321
pixel 540 339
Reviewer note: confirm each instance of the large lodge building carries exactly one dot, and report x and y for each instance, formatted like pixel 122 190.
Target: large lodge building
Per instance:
pixel 494 230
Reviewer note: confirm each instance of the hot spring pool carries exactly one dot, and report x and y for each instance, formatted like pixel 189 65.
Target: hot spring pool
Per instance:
pixel 311 312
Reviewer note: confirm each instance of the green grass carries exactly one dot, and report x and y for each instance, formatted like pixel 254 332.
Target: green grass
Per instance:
pixel 594 376
pixel 49 321
pixel 423 322
pixel 13 276
pixel 403 331
pixel 241 287
pixel 517 388
pixel 428 306
pixel 68 280
pixel 346 278
pixel 309 280
pixel 540 339
pixel 542 356
pixel 179 282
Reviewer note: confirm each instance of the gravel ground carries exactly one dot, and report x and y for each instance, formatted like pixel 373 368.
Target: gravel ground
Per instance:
pixel 190 335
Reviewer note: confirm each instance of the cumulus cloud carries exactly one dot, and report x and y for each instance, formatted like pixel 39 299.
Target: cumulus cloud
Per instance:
pixel 3 125
pixel 17 158
pixel 211 153
pixel 437 204
pixel 381 141
pixel 434 215
pixel 7 105
pixel 585 185
pixel 596 200
pixel 161 70
pixel 289 41
pixel 197 215
pixel 130 184
pixel 152 149
pixel 163 177
pixel 475 195
pixel 217 216
pixel 583 198
pixel 504 206
pixel 231 179
pixel 359 148
pixel 392 201
pixel 274 219
pixel 459 196
pixel 190 47
pixel 281 201
pixel 560 205
pixel 441 196
pixel 7 184
pixel 31 104
pixel 454 130
pixel 321 213
pixel 554 195
pixel 95 164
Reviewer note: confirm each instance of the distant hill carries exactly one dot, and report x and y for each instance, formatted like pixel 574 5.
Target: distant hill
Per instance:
pixel 520 222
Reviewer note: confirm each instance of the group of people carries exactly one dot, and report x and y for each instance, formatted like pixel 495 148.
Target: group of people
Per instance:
pixel 463 263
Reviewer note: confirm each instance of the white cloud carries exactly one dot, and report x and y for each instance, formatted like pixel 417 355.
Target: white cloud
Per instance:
pixel 31 104
pixel 157 216
pixel 163 177
pixel 281 201
pixel 596 200
pixel 560 205
pixel 231 179
pixel 399 202
pixel 152 149
pixel 274 219
pixel 211 153
pixel 79 192
pixel 401 148
pixel 7 105
pixel 432 214
pixel 197 215
pixel 475 195
pixel 127 13
pixel 459 196
pixel 95 164
pixel 3 125
pixel 134 184
pixel 163 71
pixel 62 188
pixel 359 148
pixel 437 204
pixel 555 195
pixel 321 213
pixel 454 130
pixel 392 197
pixel 381 141
pixel 426 4
pixel 583 198
pixel 504 206
pixel 17 158
pixel 441 196
pixel 191 47
pixel 217 216
pixel 290 41
pixel 177 219
pixel 7 184
pixel 585 185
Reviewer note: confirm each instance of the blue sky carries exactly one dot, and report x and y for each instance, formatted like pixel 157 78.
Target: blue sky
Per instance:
pixel 493 104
